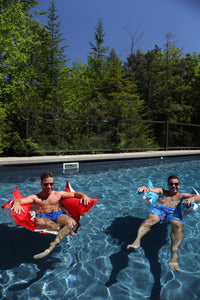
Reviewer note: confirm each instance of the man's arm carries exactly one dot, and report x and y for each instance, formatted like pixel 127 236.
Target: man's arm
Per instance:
pixel 144 188
pixel 83 197
pixel 192 199
pixel 17 205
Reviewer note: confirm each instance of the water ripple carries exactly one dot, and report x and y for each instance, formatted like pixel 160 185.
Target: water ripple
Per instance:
pixel 94 264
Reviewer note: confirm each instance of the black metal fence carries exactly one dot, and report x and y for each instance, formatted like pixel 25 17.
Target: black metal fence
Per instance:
pixel 60 133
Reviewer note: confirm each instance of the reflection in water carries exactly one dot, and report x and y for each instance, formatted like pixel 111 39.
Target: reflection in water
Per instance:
pixel 124 229
pixel 18 245
pixel 81 270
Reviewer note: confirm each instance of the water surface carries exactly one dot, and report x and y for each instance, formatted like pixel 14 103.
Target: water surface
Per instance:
pixel 94 264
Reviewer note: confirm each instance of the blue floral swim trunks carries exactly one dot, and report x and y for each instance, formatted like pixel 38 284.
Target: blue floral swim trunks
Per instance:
pixel 166 214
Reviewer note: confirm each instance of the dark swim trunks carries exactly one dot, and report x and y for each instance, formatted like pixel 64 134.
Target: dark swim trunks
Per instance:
pixel 167 214
pixel 52 216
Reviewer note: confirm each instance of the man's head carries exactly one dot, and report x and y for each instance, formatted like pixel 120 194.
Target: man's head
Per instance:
pixel 47 182
pixel 46 175
pixel 173 183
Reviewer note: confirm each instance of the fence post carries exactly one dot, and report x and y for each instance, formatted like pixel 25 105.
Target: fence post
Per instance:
pixel 167 136
pixel 27 130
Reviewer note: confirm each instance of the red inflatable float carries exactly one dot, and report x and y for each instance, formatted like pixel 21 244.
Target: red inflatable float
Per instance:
pixel 26 219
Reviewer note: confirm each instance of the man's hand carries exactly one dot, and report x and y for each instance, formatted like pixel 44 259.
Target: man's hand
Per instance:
pixel 17 207
pixel 188 202
pixel 85 200
pixel 143 188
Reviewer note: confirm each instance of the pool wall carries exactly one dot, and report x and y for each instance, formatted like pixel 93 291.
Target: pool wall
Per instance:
pixel 94 157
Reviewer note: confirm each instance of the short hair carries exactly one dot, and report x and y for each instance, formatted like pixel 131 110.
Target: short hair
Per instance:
pixel 46 175
pixel 172 177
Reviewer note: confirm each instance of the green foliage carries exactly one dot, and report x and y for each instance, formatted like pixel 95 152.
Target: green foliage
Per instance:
pixel 16 44
pixel 97 105
pixel 78 86
pixel 3 130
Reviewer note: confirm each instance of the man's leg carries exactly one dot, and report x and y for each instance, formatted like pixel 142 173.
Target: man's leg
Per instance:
pixel 46 223
pixel 177 235
pixel 143 229
pixel 69 225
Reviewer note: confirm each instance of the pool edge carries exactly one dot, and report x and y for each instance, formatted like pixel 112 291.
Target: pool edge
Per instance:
pixel 93 157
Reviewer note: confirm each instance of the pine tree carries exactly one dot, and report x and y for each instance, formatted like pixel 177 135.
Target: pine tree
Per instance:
pixel 56 56
pixel 50 59
pixel 96 60
pixel 123 103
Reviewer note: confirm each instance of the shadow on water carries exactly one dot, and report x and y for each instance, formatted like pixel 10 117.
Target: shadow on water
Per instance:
pixel 124 229
pixel 18 245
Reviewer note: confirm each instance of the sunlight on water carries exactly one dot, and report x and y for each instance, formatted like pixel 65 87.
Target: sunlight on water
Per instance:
pixel 94 264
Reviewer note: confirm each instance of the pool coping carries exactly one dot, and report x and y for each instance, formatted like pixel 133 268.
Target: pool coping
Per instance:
pixel 93 157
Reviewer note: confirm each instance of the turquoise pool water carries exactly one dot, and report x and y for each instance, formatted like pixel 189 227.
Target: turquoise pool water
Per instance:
pixel 94 264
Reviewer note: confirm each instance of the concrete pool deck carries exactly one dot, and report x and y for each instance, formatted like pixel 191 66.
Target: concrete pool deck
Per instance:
pixel 93 157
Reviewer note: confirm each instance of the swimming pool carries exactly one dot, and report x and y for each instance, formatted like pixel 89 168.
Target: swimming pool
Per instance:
pixel 94 264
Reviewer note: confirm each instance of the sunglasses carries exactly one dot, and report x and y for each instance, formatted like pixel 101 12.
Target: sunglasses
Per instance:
pixel 46 184
pixel 171 183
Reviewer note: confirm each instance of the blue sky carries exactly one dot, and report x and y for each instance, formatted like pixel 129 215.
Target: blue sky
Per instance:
pixel 150 19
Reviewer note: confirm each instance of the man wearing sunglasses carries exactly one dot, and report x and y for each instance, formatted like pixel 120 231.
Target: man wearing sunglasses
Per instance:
pixel 166 209
pixel 48 212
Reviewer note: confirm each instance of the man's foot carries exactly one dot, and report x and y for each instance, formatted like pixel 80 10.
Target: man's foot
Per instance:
pixel 42 254
pixel 57 240
pixel 134 245
pixel 47 251
pixel 174 265
pixel 72 233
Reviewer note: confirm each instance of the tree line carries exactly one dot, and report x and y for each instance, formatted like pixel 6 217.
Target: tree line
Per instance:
pixel 161 84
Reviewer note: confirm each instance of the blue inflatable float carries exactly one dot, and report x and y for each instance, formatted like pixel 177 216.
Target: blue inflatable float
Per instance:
pixel 150 199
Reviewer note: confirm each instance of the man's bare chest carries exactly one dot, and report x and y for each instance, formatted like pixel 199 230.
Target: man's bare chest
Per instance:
pixel 171 201
pixel 52 199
